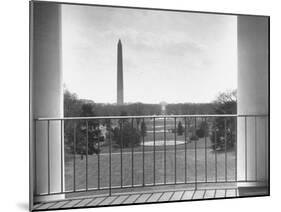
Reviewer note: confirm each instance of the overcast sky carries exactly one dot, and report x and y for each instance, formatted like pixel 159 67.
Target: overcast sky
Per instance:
pixel 167 56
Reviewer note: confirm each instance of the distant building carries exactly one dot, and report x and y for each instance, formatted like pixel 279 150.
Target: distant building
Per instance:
pixel 103 130
pixel 163 107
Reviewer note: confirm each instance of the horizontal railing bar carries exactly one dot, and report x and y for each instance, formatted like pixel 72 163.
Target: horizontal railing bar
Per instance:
pixel 149 116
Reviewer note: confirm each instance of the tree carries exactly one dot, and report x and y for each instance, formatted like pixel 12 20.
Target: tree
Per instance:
pixel 71 103
pixel 226 102
pixel 73 107
pixel 143 129
pixel 180 128
pixel 91 127
pixel 203 130
pixel 223 128
pixel 126 135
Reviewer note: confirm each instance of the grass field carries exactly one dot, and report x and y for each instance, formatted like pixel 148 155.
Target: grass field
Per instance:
pixel 152 164
pixel 172 169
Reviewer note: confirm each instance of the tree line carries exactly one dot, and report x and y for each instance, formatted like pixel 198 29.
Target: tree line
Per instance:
pixel 73 107
pixel 124 134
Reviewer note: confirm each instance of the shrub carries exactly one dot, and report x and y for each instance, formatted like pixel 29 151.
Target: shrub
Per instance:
pixel 194 138
pixel 143 128
pixel 203 130
pixel 223 139
pixel 126 136
pixel 180 128
pixel 200 133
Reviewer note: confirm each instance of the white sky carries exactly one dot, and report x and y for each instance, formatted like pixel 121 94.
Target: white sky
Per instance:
pixel 167 56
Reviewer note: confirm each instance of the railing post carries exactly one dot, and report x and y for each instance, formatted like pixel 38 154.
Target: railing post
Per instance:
pixel 35 159
pixel 48 156
pixel 132 143
pixel 98 162
pixel 175 150
pixel 235 139
pixel 143 165
pixel 121 152
pixel 266 142
pixel 256 151
pixel 87 149
pixel 216 168
pixel 153 150
pixel 225 149
pixel 185 145
pixel 62 155
pixel 205 139
pixel 246 156
pixel 165 177
pixel 195 152
pixel 109 187
pixel 165 150
pixel 74 156
pixel 188 128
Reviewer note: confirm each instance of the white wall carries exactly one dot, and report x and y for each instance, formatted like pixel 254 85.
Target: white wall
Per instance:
pixel 46 95
pixel 252 97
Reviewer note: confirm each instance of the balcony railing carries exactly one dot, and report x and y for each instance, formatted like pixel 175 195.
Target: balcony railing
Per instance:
pixel 105 154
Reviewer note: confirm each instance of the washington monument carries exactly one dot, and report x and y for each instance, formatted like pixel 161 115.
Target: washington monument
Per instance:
pixel 120 97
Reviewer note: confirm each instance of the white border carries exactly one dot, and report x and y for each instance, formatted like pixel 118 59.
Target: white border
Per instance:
pixel 14 103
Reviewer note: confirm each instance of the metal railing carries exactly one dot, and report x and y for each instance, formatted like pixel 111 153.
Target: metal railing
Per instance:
pixel 143 151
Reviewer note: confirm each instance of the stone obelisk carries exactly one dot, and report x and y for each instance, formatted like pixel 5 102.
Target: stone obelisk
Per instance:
pixel 120 97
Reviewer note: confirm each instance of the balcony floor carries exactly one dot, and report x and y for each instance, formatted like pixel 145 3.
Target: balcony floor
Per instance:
pixel 150 197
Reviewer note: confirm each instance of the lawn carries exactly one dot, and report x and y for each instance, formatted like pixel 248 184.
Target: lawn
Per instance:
pixel 173 163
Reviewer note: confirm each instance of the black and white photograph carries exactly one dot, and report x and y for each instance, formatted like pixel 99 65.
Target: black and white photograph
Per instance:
pixel 136 105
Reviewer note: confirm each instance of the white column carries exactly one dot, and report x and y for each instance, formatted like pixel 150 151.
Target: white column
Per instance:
pixel 46 96
pixel 252 98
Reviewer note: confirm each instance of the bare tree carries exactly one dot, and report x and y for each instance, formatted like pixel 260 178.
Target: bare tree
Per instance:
pixel 224 127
